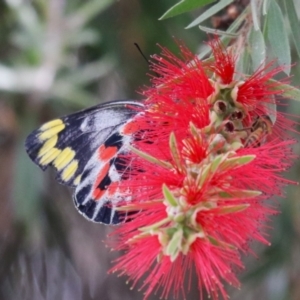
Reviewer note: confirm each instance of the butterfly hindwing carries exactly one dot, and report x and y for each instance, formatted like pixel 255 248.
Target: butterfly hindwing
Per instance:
pixel 93 196
pixel 83 147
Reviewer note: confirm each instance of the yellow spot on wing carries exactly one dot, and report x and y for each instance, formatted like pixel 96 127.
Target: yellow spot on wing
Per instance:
pixel 64 158
pixel 49 132
pixel 49 156
pixel 77 180
pixel 69 171
pixel 51 124
pixel 48 145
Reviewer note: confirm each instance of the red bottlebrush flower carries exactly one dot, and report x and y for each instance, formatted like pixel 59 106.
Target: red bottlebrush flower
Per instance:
pixel 223 65
pixel 201 166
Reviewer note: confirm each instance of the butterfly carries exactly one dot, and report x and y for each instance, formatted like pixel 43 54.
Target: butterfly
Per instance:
pixel 85 149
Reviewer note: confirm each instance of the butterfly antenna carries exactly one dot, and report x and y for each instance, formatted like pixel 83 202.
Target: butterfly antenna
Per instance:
pixel 139 49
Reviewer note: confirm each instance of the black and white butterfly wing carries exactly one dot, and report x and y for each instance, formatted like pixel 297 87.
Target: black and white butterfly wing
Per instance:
pixel 83 148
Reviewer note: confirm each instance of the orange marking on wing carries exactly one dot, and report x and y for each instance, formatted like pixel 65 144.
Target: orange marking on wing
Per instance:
pixel 97 194
pixel 113 187
pixel 106 153
pixel 100 177
pixel 130 128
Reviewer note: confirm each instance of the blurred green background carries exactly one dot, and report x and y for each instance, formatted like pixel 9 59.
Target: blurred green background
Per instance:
pixel 59 56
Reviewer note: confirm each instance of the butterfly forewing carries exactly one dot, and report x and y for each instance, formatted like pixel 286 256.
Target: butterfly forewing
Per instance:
pixel 83 148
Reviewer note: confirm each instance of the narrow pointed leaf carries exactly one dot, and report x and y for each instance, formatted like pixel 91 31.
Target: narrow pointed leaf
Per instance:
pixel 210 169
pixel 216 162
pixel 184 6
pixel 169 196
pixel 218 32
pixel 174 150
pixel 225 39
pixel 242 64
pixel 242 160
pixel 174 245
pixel 189 241
pixel 288 91
pixel 151 159
pixel 137 207
pixel 155 225
pixel 219 243
pixel 137 237
pixel 210 12
pixel 239 194
pixel 237 161
pixel 277 35
pixel 254 12
pixel 294 23
pixel 232 209
pixel 193 129
pixel 202 176
pixel 266 6
pixel 258 48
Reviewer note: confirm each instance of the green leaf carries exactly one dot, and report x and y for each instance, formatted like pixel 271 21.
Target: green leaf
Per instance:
pixel 242 63
pixel 191 238
pixel 194 130
pixel 239 194
pixel 229 209
pixel 288 91
pixel 254 12
pixel 232 29
pixel 169 197
pixel 235 162
pixel 217 161
pixel 210 12
pixel 203 174
pixel 257 48
pixel 219 243
pixel 266 5
pixel 218 32
pixel 174 150
pixel 294 23
pixel 277 35
pixel 174 245
pixel 155 226
pixel 151 159
pixel 184 6
pixel 210 169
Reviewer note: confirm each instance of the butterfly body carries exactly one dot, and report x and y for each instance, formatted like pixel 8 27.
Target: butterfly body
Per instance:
pixel 85 148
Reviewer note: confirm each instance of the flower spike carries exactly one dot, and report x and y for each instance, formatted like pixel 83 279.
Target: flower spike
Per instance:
pixel 202 164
